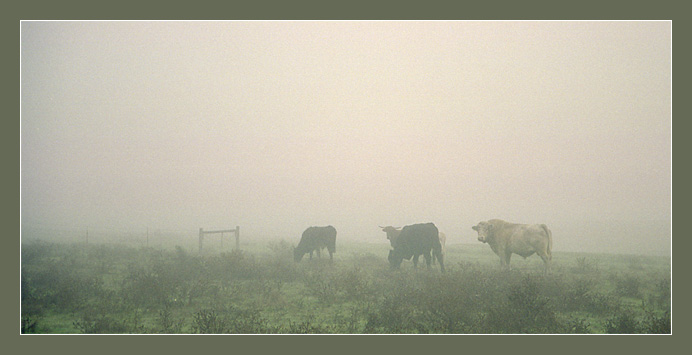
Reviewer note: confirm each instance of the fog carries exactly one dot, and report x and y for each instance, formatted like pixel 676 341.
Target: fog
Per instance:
pixel 277 126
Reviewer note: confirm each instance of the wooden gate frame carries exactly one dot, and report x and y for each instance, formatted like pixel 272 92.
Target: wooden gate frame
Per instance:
pixel 202 232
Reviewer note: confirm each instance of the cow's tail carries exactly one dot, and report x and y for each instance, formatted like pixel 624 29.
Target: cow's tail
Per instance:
pixel 550 241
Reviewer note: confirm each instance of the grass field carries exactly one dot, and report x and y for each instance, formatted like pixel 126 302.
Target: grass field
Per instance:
pixel 112 288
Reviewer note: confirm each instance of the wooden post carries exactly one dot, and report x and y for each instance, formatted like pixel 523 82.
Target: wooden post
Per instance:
pixel 237 237
pixel 201 238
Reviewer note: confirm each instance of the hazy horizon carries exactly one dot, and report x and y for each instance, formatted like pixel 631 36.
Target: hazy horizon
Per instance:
pixel 275 126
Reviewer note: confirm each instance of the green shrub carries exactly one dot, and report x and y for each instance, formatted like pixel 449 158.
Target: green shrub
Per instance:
pixel 627 285
pixel 577 326
pixel 166 323
pixel 394 314
pixel 581 294
pixel 623 323
pixel 355 285
pixel 524 311
pixel 100 324
pixel 230 320
pixel 58 285
pixel 657 324
pixel 209 321
pixel 661 295
pixel 450 303
pixel 321 285
pixel 144 287
pixel 29 324
pixel 307 326
pixel 586 266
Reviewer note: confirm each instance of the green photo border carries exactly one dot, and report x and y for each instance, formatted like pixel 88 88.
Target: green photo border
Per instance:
pixel 336 10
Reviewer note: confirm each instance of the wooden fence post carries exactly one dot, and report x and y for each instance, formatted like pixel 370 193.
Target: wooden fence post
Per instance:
pixel 201 238
pixel 237 237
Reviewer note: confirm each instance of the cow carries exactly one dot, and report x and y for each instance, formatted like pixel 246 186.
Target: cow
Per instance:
pixel 413 241
pixel 507 238
pixel 316 239
pixel 393 233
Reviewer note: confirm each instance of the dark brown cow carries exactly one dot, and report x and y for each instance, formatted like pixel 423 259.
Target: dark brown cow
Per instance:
pixel 316 239
pixel 416 240
pixel 393 233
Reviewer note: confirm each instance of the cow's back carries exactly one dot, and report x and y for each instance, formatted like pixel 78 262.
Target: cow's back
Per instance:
pixel 419 238
pixel 521 239
pixel 317 238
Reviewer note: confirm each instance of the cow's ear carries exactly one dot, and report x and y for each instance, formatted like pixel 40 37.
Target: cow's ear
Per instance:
pixel 475 228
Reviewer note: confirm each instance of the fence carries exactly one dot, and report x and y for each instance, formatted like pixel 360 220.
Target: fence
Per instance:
pixel 139 237
pixel 236 231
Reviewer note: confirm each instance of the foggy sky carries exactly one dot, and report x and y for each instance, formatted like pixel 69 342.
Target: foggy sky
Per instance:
pixel 277 126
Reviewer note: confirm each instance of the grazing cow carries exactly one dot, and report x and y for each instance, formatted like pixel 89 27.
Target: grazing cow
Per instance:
pixel 413 241
pixel 392 233
pixel 507 238
pixel 316 239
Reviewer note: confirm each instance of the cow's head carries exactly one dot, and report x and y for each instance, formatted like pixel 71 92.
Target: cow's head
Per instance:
pixel 394 259
pixel 392 233
pixel 484 230
pixel 297 254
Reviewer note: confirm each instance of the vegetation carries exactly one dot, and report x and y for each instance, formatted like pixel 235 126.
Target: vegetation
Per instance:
pixel 71 288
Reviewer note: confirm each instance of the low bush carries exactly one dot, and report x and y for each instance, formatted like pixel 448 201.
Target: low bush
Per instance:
pixel 623 323
pixel 59 286
pixel 321 285
pixel 229 320
pixel 29 324
pixel 166 323
pixel 524 311
pixel 627 285
pixel 576 325
pixel 90 323
pixel 307 326
pixel 657 323
pixel 586 266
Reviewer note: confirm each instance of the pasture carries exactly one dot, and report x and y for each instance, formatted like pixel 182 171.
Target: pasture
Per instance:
pixel 116 288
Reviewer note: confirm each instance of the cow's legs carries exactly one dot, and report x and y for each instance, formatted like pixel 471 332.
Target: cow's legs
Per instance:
pixel 415 261
pixel 546 261
pixel 508 256
pixel 310 254
pixel 427 259
pixel 331 257
pixel 319 254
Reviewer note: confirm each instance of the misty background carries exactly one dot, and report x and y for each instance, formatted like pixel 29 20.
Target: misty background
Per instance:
pixel 277 126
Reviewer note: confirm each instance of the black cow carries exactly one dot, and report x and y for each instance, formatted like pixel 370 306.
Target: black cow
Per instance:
pixel 413 241
pixel 315 239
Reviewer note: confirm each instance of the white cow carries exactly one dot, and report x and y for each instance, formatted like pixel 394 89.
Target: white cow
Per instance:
pixel 507 238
